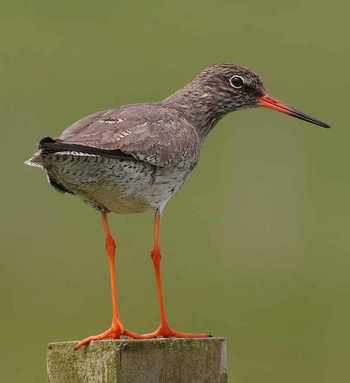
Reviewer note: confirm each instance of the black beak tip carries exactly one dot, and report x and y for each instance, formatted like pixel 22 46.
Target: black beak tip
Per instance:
pixel 305 117
pixel 321 124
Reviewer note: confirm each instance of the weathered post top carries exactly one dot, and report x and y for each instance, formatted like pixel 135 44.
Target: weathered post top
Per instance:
pixel 139 361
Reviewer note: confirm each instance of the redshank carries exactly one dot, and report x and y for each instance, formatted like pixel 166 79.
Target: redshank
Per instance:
pixel 136 157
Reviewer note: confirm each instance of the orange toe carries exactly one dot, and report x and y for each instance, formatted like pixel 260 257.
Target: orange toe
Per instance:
pixel 112 333
pixel 109 334
pixel 165 331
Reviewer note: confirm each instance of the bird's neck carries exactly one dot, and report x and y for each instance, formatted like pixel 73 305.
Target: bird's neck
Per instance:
pixel 199 107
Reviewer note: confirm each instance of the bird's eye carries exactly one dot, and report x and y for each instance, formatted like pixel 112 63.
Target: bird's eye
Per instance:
pixel 237 81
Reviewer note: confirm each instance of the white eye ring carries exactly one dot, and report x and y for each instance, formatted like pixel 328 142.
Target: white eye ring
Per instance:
pixel 237 84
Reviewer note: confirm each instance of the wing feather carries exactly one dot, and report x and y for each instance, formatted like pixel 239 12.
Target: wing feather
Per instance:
pixel 147 132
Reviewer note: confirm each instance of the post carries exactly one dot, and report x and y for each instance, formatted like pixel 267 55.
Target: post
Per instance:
pixel 139 361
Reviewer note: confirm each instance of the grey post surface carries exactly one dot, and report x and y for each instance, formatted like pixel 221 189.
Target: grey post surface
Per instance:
pixel 139 361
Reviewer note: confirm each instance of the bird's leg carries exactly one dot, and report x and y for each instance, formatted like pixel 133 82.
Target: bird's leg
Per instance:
pixel 163 329
pixel 116 328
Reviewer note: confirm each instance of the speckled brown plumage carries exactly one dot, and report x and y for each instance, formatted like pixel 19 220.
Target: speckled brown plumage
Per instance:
pixel 136 157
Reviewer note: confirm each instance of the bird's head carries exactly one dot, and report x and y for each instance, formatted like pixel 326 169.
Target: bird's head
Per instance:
pixel 235 86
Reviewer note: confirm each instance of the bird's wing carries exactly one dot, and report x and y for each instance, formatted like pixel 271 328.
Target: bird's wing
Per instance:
pixel 146 132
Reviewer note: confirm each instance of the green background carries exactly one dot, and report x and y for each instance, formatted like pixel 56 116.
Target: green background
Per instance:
pixel 255 246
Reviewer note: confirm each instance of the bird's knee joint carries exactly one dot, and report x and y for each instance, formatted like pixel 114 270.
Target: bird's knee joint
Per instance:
pixel 110 244
pixel 155 255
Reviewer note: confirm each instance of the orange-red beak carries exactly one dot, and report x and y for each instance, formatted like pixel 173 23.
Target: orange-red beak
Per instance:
pixel 272 103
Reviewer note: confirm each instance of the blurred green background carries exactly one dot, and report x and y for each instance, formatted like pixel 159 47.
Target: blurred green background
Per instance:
pixel 256 245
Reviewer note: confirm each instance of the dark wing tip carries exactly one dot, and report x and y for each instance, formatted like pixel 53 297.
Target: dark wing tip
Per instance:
pixel 49 145
pixel 46 140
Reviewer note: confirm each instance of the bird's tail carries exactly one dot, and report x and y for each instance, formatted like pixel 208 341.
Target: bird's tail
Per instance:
pixel 37 159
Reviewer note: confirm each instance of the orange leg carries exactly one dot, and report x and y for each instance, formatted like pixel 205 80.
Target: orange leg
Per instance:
pixel 116 329
pixel 163 329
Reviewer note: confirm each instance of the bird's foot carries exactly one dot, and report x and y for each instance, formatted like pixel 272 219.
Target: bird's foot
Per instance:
pixel 114 332
pixel 164 331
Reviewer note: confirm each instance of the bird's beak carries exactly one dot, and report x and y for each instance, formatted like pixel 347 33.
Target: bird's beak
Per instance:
pixel 272 103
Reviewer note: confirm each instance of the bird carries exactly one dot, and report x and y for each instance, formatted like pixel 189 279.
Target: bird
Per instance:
pixel 134 158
